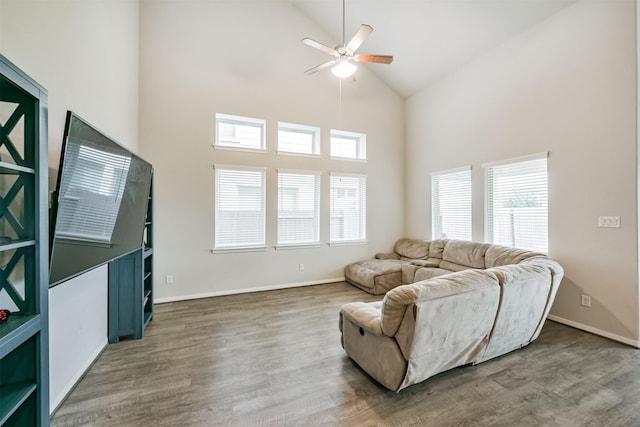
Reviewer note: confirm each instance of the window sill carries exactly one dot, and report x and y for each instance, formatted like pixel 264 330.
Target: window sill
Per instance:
pixel 298 246
pixel 291 153
pixel 238 250
pixel 350 159
pixel 244 149
pixel 349 243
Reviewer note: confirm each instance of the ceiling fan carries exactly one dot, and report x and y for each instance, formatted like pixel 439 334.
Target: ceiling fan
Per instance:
pixel 344 56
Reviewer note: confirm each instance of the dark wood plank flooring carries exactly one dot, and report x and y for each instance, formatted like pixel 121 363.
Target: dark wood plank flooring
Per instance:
pixel 274 359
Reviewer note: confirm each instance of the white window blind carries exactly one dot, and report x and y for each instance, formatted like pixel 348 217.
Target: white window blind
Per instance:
pixel 348 145
pixel 240 132
pixel 348 210
pixel 298 208
pixel 517 203
pixel 298 139
pixel 90 193
pixel 451 204
pixel 240 208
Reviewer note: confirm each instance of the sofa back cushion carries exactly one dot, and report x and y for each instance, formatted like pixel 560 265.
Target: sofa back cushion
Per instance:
pixel 460 255
pixel 412 248
pixel 501 255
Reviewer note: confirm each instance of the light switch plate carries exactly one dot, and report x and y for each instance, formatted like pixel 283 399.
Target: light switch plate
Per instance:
pixel 609 221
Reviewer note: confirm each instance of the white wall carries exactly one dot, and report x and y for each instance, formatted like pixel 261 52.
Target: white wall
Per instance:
pixel 86 55
pixel 245 58
pixel 567 86
pixel 77 329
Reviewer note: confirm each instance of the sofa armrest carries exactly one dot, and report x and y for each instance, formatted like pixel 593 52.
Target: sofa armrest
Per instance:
pixel 425 263
pixel 365 315
pixel 387 256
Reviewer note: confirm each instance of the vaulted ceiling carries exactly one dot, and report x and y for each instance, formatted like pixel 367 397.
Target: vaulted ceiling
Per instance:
pixel 428 38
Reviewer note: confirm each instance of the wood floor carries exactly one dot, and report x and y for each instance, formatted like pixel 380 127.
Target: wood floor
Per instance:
pixel 274 359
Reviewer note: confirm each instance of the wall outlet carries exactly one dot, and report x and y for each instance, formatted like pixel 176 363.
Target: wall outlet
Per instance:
pixel 609 221
pixel 169 279
pixel 585 300
pixel 301 267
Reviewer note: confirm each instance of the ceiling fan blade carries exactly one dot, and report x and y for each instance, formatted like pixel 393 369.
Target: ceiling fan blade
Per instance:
pixel 359 37
pixel 378 59
pixel 315 69
pixel 320 46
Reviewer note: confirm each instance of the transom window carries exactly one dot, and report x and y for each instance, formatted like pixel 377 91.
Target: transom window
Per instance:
pixel 240 207
pixel 298 139
pixel 517 203
pixel 348 145
pixel 240 132
pixel 348 210
pixel 451 204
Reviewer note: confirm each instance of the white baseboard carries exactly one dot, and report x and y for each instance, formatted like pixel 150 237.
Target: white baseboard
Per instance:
pixel 246 290
pixel 596 331
pixel 62 395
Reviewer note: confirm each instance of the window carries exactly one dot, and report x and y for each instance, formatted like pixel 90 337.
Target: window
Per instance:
pixel 298 139
pixel 451 204
pixel 348 211
pixel 240 132
pixel 240 208
pixel 348 145
pixel 298 208
pixel 517 203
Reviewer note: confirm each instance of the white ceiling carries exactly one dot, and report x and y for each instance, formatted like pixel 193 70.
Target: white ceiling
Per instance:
pixel 428 38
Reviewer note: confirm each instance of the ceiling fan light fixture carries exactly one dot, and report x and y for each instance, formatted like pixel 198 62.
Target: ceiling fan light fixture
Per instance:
pixel 344 68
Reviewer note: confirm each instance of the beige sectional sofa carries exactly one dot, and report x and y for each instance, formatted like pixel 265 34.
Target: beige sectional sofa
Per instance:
pixel 469 302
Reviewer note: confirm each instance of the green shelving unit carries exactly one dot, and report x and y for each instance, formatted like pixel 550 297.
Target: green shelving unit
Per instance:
pixel 24 253
pixel 131 286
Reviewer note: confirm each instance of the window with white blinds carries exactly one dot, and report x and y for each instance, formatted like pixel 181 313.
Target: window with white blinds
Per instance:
pixel 451 204
pixel 240 207
pixel 90 193
pixel 240 132
pixel 298 208
pixel 348 210
pixel 348 145
pixel 298 139
pixel 517 203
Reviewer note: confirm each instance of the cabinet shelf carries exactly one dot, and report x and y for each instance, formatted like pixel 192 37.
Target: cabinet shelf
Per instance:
pixel 11 169
pixel 17 329
pixel 148 315
pixel 15 244
pixel 131 286
pixel 12 396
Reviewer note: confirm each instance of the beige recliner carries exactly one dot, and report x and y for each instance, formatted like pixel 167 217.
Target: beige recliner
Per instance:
pixel 462 317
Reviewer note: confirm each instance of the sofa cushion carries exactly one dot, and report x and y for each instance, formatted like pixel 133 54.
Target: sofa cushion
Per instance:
pixel 412 248
pixel 502 255
pixel 464 254
pixel 436 247
pixel 375 276
pixel 428 273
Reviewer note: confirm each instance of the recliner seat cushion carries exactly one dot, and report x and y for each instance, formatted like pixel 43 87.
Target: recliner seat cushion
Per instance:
pixel 375 276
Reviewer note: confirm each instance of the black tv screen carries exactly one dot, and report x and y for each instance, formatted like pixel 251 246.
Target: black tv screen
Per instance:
pixel 99 206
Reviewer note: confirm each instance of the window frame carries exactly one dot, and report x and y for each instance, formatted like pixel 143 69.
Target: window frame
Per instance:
pixel 242 247
pixel 360 140
pixel 316 204
pixel 489 198
pixel 261 124
pixel 438 232
pixel 314 131
pixel 362 196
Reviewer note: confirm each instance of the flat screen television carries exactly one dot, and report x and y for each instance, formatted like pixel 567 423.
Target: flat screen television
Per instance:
pixel 99 205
